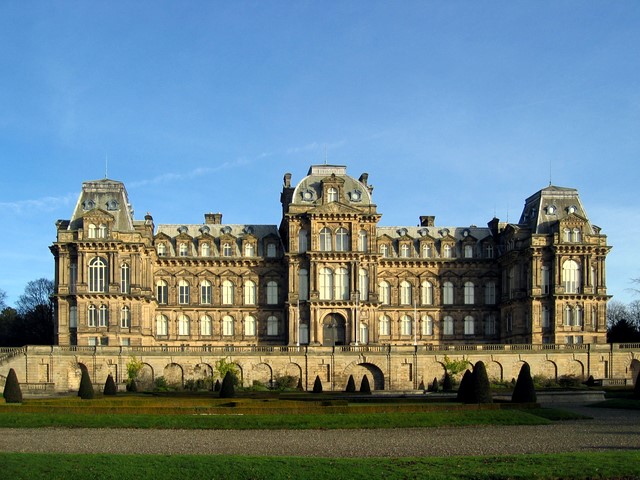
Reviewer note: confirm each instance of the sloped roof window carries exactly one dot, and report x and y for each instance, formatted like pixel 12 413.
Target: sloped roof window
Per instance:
pixel 112 205
pixel 88 205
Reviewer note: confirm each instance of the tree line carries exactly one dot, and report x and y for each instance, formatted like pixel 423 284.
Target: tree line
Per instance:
pixel 31 321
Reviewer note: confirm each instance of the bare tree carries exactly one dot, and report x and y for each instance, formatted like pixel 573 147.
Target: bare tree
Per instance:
pixel 36 293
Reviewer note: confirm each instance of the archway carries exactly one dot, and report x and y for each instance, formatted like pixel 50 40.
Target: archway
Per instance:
pixel 372 371
pixel 174 375
pixel 145 377
pixel 333 330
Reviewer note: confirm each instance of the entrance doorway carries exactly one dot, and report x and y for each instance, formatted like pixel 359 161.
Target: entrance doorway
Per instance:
pixel 333 330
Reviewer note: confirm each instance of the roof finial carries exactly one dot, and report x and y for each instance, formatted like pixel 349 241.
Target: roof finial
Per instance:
pixel 549 172
pixel 325 153
pixel 106 165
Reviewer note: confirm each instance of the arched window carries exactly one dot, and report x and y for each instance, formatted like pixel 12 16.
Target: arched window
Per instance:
pixel 363 241
pixel 384 293
pixel 125 317
pixel 404 251
pixel 406 324
pixel 578 316
pixel 342 240
pixel 568 316
pixel 303 280
pixel 384 250
pixel 183 325
pixel 184 250
pixel 447 325
pixel 363 284
pixel 184 292
pixel 490 293
pixel 571 276
pixel 103 316
pixel 577 235
pixel 341 284
pixel 92 320
pixel 326 284
pixel 332 195
pixel 205 292
pixel 427 325
pixel 325 240
pixel 97 275
pixel 161 249
pixel 227 292
pixel 385 326
pixel 272 292
pixel 468 251
pixel 162 326
pixel 102 231
pixel 426 293
pixel 448 251
pixel 227 250
pixel 469 293
pixel 567 235
pixel 469 325
pixel 405 293
pixel 249 326
pixel 249 292
pixel 125 278
pixel 447 293
pixel 249 250
pixel 205 326
pixel 205 250
pixel 92 231
pixel 162 292
pixel 427 250
pixel 303 240
pixel 272 326
pixel 227 326
pixel 271 250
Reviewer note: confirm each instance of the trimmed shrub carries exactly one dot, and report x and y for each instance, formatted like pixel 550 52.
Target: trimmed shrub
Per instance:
pixel 421 386
pixel 12 392
pixel 480 386
pixel 300 387
pixel 435 386
pixel 446 383
pixel 464 387
pixel 317 385
pixel 110 386
pixel 85 391
pixel 524 391
pixel 591 382
pixel 227 390
pixel 636 388
pixel 364 385
pixel 351 385
pixel 132 386
pixel 217 386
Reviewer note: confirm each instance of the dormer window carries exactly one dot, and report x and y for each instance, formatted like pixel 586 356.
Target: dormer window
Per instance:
pixel 355 196
pixel 102 231
pixel 88 205
pixel 112 205
pixel 332 195
pixel 91 231
pixel 571 209
pixel 307 195
pixel 183 229
pixel 226 250
pixel 205 229
pixel 226 230
pixel 161 249
pixel 184 250
pixel 551 210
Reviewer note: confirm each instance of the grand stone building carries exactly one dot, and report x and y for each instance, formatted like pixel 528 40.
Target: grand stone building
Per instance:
pixel 328 274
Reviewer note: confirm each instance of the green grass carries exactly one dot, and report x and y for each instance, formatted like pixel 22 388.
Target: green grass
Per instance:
pixel 624 403
pixel 584 465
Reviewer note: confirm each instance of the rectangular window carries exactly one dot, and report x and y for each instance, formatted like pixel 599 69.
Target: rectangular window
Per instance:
pixel 73 317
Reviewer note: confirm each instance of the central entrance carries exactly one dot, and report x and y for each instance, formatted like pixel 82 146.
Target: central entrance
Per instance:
pixel 333 330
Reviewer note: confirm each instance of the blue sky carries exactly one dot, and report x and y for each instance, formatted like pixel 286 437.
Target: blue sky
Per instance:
pixel 455 109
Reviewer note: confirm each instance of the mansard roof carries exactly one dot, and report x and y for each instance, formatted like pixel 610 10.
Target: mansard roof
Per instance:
pixel 308 192
pixel 435 232
pixel 218 230
pixel 108 195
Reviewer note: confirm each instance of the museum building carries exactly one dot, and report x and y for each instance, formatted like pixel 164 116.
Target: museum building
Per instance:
pixel 328 275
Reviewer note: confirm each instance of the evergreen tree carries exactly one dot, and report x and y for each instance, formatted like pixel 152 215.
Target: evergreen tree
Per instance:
pixel 524 391
pixel 434 385
pixel 299 387
pixel 12 392
pixel 481 388
pixel 364 385
pixel 464 387
pixel 85 391
pixel 317 385
pixel 421 386
pixel 636 389
pixel 446 383
pixel 227 390
pixel 351 385
pixel 217 386
pixel 110 386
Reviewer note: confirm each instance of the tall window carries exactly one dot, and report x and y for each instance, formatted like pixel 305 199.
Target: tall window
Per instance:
pixel 342 240
pixel 249 326
pixel 303 280
pixel 92 231
pixel 342 284
pixel 363 241
pixel 226 250
pixel 205 292
pixel 227 292
pixel 161 249
pixel 384 293
pixel 490 325
pixel 384 250
pixel 332 195
pixel 447 293
pixel 102 231
pixel 271 250
pixel 385 326
pixel 577 235
pixel 469 293
pixel 363 284
pixel 447 325
pixel 571 276
pixel 490 293
pixel 272 326
pixel 184 292
pixel 405 293
pixel 162 326
pixel 426 293
pixel 205 326
pixel 568 316
pixel 578 316
pixel 427 250
pixel 73 316
pixel 184 250
pixel 546 317
pixel 73 277
pixel 183 325
pixel 326 283
pixel 427 325
pixel 468 251
pixel 92 320
pixel 205 250
pixel 272 292
pixel 302 240
pixel 448 251
pixel 125 278
pixel 364 333
pixel 406 324
pixel 249 250
pixel 325 240
pixel 97 275
pixel 304 334
pixel 249 292
pixel 227 326
pixel 125 317
pixel 162 292
pixel 488 250
pixel 469 325
pixel 103 316
pixel 404 251
pixel 544 283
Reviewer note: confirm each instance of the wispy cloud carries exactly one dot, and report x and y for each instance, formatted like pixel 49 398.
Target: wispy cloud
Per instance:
pixel 310 147
pixel 44 204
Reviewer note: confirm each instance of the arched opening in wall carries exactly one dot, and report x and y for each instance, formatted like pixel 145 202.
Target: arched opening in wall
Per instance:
pixel 635 370
pixel 373 373
pixel 203 376
pixel 145 377
pixel 333 330
pixel 575 368
pixel 294 371
pixel 174 375
pixel 74 376
pixel 545 372
pixel 494 371
pixel 239 375
pixel 261 374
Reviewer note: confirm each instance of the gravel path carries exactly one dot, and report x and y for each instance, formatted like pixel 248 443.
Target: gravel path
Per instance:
pixel 609 430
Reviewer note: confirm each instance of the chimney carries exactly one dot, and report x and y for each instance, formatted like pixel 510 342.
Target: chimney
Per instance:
pixel 427 220
pixel 213 218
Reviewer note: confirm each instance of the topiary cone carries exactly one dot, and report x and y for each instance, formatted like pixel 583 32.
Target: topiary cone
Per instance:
pixel 464 388
pixel 446 383
pixel 227 389
pixel 110 386
pixel 524 391
pixel 481 388
pixel 85 391
pixel 351 385
pixel 12 392
pixel 364 385
pixel 317 385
